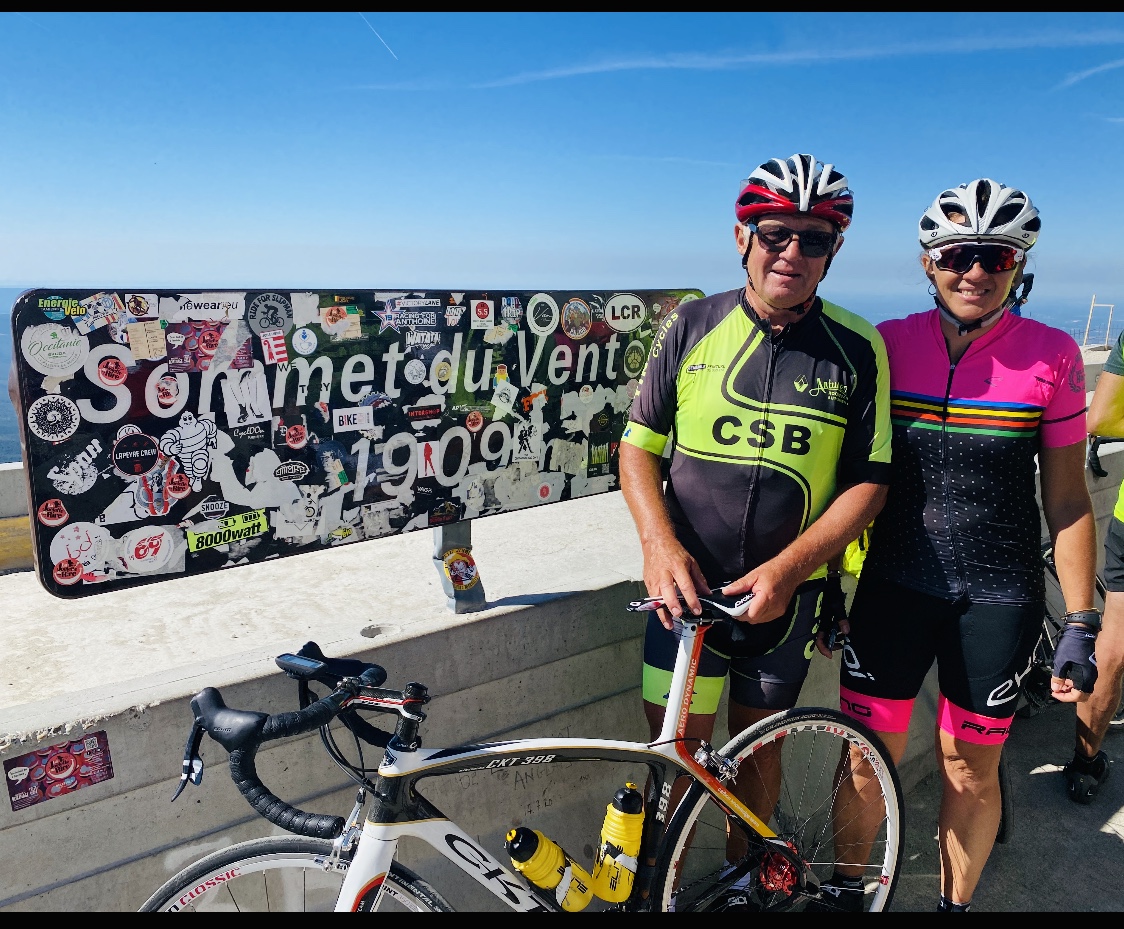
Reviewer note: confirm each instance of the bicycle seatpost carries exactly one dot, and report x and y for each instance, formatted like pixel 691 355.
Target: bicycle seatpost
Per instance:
pixel 688 649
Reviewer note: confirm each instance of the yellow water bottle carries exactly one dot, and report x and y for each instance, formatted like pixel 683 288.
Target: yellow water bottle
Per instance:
pixel 546 865
pixel 615 868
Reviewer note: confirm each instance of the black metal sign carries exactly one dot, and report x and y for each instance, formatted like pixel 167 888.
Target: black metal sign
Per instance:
pixel 170 433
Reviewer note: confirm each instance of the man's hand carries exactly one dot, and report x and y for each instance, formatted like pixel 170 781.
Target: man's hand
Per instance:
pixel 670 571
pixel 773 585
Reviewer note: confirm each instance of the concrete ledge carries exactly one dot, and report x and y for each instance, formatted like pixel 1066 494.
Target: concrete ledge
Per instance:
pixel 13 490
pixel 15 545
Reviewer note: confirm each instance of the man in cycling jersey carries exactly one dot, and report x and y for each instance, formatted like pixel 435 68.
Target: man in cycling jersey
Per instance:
pixel 773 404
pixel 1089 767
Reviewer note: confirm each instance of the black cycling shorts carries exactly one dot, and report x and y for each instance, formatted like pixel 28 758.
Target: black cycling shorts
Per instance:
pixel 1114 556
pixel 982 650
pixel 766 670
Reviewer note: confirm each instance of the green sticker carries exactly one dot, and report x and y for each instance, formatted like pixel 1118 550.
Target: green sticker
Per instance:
pixel 231 529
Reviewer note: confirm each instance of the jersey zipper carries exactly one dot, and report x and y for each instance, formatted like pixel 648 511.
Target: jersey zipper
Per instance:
pixel 752 501
pixel 960 573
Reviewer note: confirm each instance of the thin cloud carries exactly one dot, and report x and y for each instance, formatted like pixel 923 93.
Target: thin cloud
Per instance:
pixel 673 159
pixel 377 36
pixel 1113 119
pixel 704 62
pixel 1099 69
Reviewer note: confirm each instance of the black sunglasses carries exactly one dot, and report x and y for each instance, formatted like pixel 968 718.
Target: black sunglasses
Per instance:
pixel 775 239
pixel 993 258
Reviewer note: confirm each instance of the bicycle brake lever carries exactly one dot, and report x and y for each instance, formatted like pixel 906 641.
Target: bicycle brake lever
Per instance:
pixel 192 763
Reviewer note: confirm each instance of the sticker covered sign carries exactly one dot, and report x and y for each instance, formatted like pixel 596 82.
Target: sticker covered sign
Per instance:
pixel 174 433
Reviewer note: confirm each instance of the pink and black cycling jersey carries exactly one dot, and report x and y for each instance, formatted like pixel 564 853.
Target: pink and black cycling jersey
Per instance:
pixel 962 519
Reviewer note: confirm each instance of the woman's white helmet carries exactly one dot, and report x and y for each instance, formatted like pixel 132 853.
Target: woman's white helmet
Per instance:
pixel 984 211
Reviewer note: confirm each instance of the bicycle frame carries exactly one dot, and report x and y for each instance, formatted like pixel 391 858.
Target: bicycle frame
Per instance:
pixel 399 809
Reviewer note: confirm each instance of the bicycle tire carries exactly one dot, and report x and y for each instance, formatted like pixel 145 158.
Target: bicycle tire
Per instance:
pixel 268 872
pixel 689 875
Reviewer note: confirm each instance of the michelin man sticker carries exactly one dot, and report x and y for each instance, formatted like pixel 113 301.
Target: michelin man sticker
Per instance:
pixel 172 433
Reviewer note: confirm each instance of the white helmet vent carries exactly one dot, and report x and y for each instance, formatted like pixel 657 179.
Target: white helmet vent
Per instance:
pixel 984 210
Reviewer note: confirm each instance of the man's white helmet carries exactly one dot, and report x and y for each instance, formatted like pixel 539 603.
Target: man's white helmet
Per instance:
pixel 990 212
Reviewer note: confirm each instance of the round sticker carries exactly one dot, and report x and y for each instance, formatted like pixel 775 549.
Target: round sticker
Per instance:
pixel 54 349
pixel 586 393
pixel 634 358
pixel 625 312
pixel 52 512
pixel 577 318
pixel 544 491
pixel 542 314
pixel 53 418
pixel 304 341
pixel 270 311
pixel 443 371
pixel 482 309
pixel 414 372
pixel 460 568
pixel 61 766
pixel 296 437
pixel 147 549
pixel 687 298
pixel 209 340
pixel 83 541
pixel 134 453
pixel 167 390
pixel 474 421
pixel 112 371
pixel 333 320
pixel 179 485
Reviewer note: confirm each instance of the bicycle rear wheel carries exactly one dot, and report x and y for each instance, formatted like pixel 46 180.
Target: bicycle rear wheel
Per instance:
pixel 695 875
pixel 281 874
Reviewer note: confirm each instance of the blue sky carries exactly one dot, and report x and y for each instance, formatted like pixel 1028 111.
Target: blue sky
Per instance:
pixel 536 151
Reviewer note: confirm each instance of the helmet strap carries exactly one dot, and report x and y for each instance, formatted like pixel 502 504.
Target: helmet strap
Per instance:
pixel 984 322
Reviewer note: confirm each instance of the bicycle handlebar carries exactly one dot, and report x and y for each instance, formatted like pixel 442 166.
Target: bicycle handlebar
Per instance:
pixel 242 733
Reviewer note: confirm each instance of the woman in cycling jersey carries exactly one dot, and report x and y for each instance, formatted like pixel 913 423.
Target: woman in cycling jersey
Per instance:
pixel 954 574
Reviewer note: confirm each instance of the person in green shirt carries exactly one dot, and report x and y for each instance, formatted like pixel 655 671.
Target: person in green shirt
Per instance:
pixel 1089 768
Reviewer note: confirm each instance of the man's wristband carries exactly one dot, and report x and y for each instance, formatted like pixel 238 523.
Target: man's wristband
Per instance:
pixel 1090 618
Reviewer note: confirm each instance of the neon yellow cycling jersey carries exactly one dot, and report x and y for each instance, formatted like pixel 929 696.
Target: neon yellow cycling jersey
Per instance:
pixel 766 425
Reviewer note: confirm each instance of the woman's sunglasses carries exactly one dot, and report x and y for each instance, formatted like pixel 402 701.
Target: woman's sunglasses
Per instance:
pixel 775 239
pixel 960 257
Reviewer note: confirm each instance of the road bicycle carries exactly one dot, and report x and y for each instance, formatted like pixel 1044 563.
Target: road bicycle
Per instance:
pixel 349 864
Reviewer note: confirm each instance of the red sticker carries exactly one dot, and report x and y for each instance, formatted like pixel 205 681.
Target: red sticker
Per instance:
pixel 167 390
pixel 209 340
pixel 52 512
pixel 179 486
pixel 296 437
pixel 68 571
pixel 474 421
pixel 112 371
pixel 57 770
pixel 482 310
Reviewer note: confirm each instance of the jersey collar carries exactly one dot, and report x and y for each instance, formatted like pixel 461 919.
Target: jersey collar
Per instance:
pixel 812 308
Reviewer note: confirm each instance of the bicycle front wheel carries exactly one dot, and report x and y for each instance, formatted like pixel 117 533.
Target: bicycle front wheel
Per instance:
pixel 801 758
pixel 281 874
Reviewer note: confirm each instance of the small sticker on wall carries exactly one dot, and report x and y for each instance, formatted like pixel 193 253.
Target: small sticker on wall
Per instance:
pixel 61 769
pixel 460 568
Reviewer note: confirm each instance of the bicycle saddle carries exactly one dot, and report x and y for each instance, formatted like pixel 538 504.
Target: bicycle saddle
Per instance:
pixel 715 605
